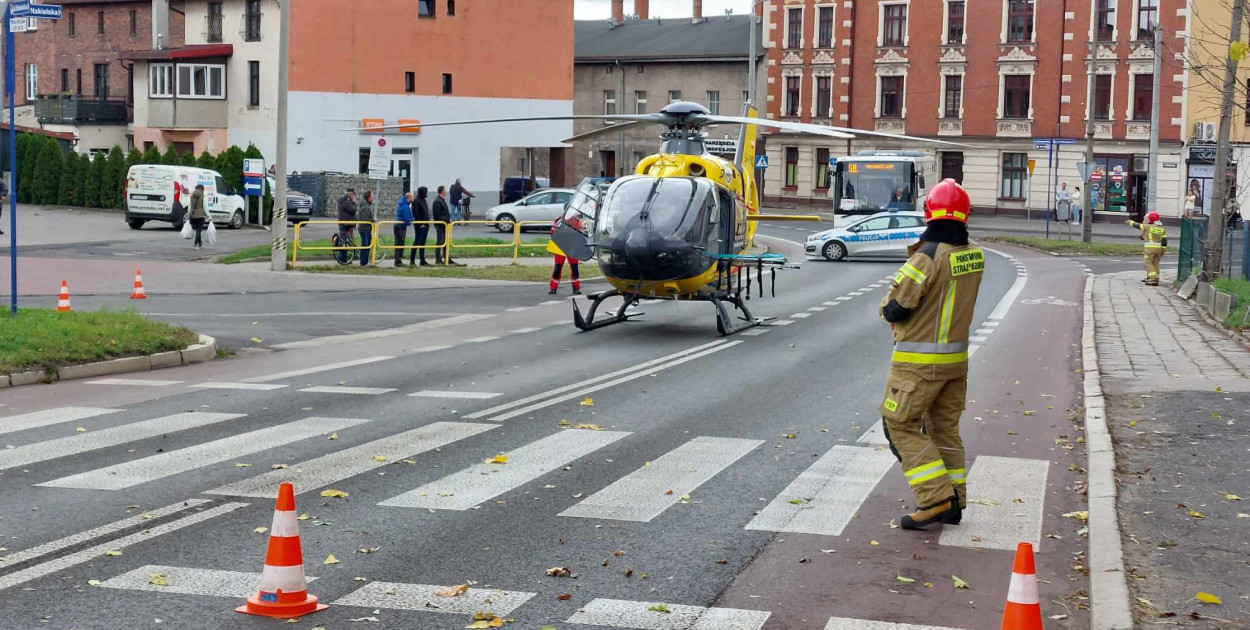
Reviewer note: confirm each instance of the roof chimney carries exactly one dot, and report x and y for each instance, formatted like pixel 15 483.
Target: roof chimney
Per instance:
pixel 698 12
pixel 618 11
pixel 641 9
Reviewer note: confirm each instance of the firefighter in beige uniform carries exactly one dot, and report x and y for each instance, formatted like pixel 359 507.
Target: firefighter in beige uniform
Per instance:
pixel 930 309
pixel 1153 234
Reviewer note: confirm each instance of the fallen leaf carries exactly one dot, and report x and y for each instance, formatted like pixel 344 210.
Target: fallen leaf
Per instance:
pixel 1197 514
pixel 874 543
pixel 364 619
pixel 390 591
pixel 260 530
pixel 334 494
pixel 333 436
pixel 904 580
pixel 796 501
pixel 828 551
pixel 498 459
pixel 558 571
pixel 564 596
pixel 660 608
pixel 93 582
pixel 380 458
pixel 242 465
pixel 1028 412
pixel 1232 497
pixel 1081 515
pixel 1208 598
pixel 81 430
pixel 1058 617
pixel 113 553
pixel 791 436
pixel 302 517
pixel 330 559
pixel 279 467
pixel 158 579
pixel 1243 515
pixel 928 584
pixel 451 591
pixel 256 340
pixel 619 554
pixel 547 628
pixel 989 502
pixel 589 402
pixel 565 423
pixel 892 525
pixel 589 427
pixel 958 582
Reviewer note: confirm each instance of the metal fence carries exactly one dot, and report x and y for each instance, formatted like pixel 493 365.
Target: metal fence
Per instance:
pixel 1192 251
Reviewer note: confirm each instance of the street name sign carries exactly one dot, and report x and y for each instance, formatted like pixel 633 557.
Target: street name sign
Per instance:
pixel 45 11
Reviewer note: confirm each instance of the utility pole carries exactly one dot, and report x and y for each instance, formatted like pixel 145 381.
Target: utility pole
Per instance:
pixel 277 260
pixel 751 57
pixel 10 90
pixel 1211 264
pixel 1087 206
pixel 620 109
pixel 1152 178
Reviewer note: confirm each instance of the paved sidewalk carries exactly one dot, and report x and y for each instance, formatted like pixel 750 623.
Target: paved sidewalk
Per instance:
pixel 1178 407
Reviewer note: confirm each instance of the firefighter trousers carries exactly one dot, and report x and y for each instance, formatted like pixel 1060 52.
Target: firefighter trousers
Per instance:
pixel 921 420
pixel 1152 257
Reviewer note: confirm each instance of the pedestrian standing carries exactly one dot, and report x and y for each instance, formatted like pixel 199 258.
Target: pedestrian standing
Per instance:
pixel 1076 204
pixel 560 257
pixel 930 308
pixel 455 196
pixel 1191 198
pixel 403 214
pixel 1063 203
pixel 1153 234
pixel 421 210
pixel 347 214
pixel 442 212
pixel 198 215
pixel 365 213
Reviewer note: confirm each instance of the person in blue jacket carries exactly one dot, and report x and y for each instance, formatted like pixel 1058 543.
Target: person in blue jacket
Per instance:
pixel 403 213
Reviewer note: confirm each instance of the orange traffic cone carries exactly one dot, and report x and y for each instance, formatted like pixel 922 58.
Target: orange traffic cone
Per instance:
pixel 138 293
pixel 1024 610
pixel 283 588
pixel 62 304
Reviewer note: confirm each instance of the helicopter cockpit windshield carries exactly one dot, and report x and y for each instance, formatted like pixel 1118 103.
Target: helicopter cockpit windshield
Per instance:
pixel 657 228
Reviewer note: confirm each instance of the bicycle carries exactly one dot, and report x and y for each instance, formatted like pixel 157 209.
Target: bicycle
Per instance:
pixel 344 256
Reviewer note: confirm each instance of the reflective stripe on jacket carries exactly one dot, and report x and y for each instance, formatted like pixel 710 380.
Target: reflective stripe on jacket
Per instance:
pixel 939 285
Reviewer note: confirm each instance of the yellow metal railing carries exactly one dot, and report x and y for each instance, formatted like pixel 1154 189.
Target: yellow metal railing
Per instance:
pixel 296 246
pixel 377 241
pixel 515 244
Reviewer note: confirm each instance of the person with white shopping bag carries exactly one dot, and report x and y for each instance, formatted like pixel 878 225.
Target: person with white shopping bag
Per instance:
pixel 198 216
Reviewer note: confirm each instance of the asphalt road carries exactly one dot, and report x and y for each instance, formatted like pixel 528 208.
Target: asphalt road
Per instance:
pixel 684 498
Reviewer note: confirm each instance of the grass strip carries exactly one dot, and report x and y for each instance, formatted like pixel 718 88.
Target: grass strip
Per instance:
pixel 1069 248
pixel 44 339
pixel 516 273
pixel 529 247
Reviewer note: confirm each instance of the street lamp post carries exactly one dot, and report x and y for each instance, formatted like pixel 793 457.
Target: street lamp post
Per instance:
pixel 278 256
pixel 751 54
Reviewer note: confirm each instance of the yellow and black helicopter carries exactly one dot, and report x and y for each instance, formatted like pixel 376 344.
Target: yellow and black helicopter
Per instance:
pixel 683 226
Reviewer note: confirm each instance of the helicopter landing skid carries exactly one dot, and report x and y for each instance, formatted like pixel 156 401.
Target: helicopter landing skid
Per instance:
pixel 588 323
pixel 725 321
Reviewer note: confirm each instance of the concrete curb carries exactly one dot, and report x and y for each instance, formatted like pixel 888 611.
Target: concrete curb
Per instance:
pixel 1108 588
pixel 205 350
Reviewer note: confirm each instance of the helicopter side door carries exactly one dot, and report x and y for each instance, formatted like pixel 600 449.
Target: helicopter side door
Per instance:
pixel 729 232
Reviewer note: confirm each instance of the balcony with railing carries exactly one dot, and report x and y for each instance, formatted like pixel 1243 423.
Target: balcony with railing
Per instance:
pixel 56 109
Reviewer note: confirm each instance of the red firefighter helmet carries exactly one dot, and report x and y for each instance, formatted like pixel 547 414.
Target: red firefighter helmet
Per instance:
pixel 1152 217
pixel 947 200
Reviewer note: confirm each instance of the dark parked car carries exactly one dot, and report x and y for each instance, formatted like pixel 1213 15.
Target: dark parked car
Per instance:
pixel 299 206
pixel 516 188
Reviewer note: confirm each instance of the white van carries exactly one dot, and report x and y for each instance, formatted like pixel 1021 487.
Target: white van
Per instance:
pixel 150 190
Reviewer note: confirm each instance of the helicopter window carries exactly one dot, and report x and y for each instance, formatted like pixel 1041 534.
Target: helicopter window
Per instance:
pixel 671 206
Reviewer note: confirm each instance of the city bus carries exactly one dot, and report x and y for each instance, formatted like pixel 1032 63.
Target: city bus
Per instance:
pixel 876 181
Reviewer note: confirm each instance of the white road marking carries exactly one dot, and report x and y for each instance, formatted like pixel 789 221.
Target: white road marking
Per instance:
pixel 874 435
pixel 594 388
pixel 426 393
pixel 518 309
pixel 977 339
pixel 826 496
pixel 877 285
pixel 433 324
pixel 801 315
pixel 990 324
pixel 136 382
pixel 985 331
pixel 49 417
pixel 260 387
pixel 854 293
pixel 98 551
pixel 350 462
pixel 550 302
pixel 645 493
pixel 189 581
pixel 400 596
pixel 522 331
pixel 1009 298
pixel 619 613
pixel 98 532
pixel 1016 488
pixel 755 332
pixel 830 303
pixel 843 298
pixel 430 349
pixel 815 309
pixel 480 339
pixel 843 623
pixel 781 322
pixel 93 440
pixel 313 370
pixel 482 482
pixel 135 472
pixel 339 389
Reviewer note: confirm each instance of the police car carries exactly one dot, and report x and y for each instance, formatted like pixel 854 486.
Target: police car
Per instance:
pixel 885 234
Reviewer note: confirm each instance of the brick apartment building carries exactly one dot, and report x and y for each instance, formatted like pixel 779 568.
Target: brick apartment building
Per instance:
pixel 72 76
pixel 1012 71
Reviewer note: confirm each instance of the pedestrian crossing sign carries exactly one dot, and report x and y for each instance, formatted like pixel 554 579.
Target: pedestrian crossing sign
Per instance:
pixel 761 161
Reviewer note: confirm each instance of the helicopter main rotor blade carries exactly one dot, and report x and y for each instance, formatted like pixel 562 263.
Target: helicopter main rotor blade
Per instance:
pixel 659 119
pixel 609 129
pixel 819 130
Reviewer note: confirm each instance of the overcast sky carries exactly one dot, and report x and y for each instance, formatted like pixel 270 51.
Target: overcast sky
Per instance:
pixel 602 9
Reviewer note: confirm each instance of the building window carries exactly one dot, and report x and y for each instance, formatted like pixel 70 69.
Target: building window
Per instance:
pixel 101 80
pixel 895 28
pixel 410 82
pixel 78 78
pixel 1015 172
pixel 134 22
pixel 1105 20
pixel 213 35
pixel 674 96
pixel 73 24
pixel 1016 95
pixel 713 102
pixel 640 102
pixel 64 80
pixel 201 81
pixel 792 167
pixel 954 95
pixel 446 83
pixel 1019 20
pixel 891 97
pixel 160 80
pixel 824 95
pixel 1102 97
pixel 32 81
pixel 822 169
pixel 99 23
pixel 794 26
pixel 1143 96
pixel 609 102
pixel 425 8
pixel 451 7
pixel 955 23
pixel 1147 17
pixel 253 84
pixel 826 27
pixel 253 21
pixel 792 96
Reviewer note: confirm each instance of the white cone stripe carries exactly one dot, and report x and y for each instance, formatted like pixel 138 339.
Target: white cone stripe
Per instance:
pixel 825 498
pixel 285 525
pixel 619 613
pixel 188 581
pixel 147 469
pixel 285 579
pixel 1015 490
pixel 98 532
pixel 482 482
pixel 1023 589
pixel 49 417
pixel 421 597
pixel 94 440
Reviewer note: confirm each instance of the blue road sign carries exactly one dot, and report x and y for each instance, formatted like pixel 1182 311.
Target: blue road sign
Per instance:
pixel 1042 143
pixel 833 162
pixel 19 8
pixel 761 161
pixel 253 186
pixel 45 11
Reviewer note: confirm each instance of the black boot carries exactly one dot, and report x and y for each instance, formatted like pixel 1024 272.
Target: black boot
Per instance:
pixel 940 513
pixel 551 292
